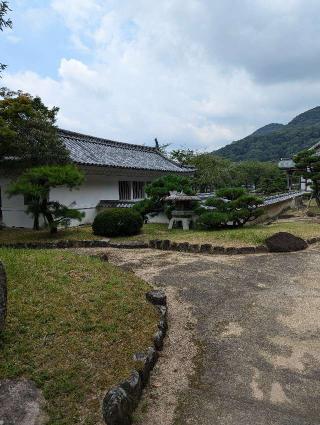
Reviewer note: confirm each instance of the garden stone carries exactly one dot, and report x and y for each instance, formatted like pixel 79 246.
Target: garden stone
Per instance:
pixel 158 244
pixel 231 251
pixel 246 250
pixel 205 248
pixel 146 362
pixel 285 242
pixel 3 297
pixel 21 403
pixel 261 249
pixel 158 339
pixel 156 297
pixel 183 247
pixel 163 326
pixel 152 243
pixel 117 407
pixel 133 387
pixel 194 248
pixel 174 246
pixel 311 241
pixel 218 250
pixel 165 244
pixel 163 310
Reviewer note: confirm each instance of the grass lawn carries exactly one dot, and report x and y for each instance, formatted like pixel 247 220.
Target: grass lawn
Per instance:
pixel 73 325
pixel 251 235
pixel 29 235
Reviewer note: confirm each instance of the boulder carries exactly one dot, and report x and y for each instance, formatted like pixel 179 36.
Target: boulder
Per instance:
pixel 285 242
pixel 3 297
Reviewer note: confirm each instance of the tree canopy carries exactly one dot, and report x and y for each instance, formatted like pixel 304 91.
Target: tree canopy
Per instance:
pixel 4 23
pixel 230 207
pixel 308 165
pixel 28 135
pixel 214 172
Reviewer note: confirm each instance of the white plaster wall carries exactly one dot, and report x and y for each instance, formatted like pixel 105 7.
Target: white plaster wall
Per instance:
pixel 99 185
pixel 13 209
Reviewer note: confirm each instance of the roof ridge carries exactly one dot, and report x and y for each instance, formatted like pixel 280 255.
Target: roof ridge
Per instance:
pixel 101 140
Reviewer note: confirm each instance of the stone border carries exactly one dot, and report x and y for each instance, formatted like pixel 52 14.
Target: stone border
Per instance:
pixel 165 245
pixel 70 243
pixel 313 240
pixel 168 245
pixel 120 402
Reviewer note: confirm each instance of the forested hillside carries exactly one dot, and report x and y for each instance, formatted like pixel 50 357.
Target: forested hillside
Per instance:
pixel 275 141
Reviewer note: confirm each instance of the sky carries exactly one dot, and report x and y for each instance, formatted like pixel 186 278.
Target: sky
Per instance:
pixel 193 73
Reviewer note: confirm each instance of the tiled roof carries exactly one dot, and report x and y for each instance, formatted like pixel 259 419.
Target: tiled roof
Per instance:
pixel 90 150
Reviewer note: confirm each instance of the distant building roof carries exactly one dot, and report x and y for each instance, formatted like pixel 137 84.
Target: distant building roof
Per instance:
pixel 89 150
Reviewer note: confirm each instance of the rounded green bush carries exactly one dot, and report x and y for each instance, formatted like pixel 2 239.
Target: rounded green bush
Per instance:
pixel 117 222
pixel 212 220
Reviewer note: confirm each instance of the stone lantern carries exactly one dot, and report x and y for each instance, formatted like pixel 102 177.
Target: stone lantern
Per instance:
pixel 182 213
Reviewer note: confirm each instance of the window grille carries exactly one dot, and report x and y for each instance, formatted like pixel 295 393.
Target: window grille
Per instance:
pixel 138 190
pixel 124 191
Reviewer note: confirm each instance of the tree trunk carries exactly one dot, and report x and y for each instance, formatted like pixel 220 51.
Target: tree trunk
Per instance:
pixel 36 225
pixel 46 212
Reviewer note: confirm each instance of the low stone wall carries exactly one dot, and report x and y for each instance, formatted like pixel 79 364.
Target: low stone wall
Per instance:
pixel 168 245
pixel 120 402
pixel 273 211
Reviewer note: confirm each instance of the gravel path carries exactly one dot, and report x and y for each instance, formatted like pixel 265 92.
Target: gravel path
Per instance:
pixel 244 342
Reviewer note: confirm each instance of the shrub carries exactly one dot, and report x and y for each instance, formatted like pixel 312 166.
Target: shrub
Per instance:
pixel 233 207
pixel 231 193
pixel 117 222
pixel 212 220
pixel 215 202
pixel 144 207
pixel 160 188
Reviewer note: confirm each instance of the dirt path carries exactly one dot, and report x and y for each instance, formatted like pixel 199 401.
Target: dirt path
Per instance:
pixel 244 343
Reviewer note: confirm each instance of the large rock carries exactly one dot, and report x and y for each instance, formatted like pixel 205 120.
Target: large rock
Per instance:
pixel 3 297
pixel 21 403
pixel 285 242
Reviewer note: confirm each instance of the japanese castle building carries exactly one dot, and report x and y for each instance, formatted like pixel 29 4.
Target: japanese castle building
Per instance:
pixel 116 175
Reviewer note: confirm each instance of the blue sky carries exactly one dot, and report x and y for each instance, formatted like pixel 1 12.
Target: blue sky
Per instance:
pixel 197 73
pixel 38 40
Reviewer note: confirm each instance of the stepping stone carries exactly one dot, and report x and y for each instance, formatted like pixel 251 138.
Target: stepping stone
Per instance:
pixel 21 403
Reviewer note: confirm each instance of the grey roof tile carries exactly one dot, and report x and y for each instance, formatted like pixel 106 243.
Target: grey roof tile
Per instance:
pixel 90 150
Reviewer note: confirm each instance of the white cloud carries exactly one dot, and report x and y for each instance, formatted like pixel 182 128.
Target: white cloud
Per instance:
pixel 192 72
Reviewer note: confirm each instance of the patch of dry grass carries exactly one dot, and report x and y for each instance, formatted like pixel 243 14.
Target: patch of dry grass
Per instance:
pixel 74 323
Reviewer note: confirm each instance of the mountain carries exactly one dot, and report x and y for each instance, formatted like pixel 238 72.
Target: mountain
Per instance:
pixel 269 128
pixel 275 141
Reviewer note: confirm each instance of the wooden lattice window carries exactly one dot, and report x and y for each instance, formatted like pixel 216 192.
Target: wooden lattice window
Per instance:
pixel 124 191
pixel 138 190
